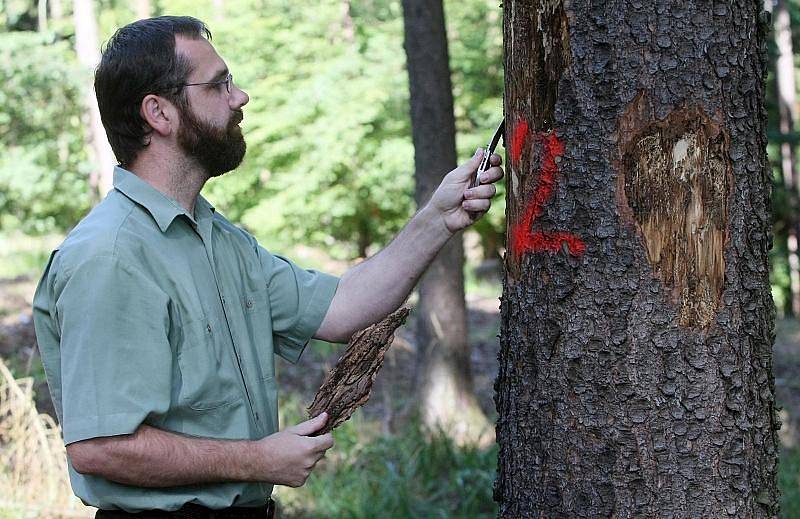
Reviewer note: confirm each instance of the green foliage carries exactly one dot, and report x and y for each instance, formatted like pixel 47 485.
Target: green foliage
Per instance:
pixel 330 158
pixel 789 482
pixel 43 169
pixel 408 474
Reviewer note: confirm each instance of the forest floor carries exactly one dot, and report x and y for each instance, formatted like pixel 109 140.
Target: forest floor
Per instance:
pixel 391 404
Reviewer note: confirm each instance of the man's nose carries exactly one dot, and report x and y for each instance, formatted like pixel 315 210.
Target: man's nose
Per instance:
pixel 238 98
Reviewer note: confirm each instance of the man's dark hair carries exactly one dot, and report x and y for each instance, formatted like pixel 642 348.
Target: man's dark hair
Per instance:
pixel 140 59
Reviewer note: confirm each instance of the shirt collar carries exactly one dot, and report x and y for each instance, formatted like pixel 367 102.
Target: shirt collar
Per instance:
pixel 162 208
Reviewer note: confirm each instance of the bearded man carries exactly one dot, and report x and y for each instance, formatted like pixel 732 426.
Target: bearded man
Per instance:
pixel 158 320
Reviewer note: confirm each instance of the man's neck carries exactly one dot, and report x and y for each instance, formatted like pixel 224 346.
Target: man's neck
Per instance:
pixel 178 178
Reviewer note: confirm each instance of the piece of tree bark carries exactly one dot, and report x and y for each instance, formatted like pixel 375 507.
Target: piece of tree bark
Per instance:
pixel 443 374
pixel 635 371
pixel 349 384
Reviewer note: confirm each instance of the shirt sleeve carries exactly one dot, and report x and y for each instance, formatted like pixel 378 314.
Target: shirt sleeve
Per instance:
pixel 116 361
pixel 299 300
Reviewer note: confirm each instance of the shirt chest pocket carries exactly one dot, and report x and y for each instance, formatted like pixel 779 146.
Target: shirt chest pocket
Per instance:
pixel 208 377
pixel 258 321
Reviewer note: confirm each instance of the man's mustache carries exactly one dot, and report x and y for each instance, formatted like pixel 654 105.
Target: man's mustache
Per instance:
pixel 238 116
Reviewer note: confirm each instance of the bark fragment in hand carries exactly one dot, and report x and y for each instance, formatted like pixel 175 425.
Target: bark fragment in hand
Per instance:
pixel 348 385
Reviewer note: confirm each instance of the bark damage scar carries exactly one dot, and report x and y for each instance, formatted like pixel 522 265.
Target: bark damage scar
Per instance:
pixel 674 183
pixel 550 55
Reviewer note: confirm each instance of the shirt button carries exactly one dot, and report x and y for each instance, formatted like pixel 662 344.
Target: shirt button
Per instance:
pixel 223 300
pixel 208 328
pixel 249 304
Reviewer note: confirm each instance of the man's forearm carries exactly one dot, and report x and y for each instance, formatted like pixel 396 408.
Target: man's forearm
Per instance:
pixel 151 457
pixel 374 288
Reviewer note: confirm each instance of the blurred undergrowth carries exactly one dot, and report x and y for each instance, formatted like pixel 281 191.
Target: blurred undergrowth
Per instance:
pixel 407 473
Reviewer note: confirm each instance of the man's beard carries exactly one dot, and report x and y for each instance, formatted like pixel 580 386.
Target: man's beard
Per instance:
pixel 216 150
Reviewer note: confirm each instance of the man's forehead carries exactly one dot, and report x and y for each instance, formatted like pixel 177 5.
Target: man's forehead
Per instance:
pixel 201 54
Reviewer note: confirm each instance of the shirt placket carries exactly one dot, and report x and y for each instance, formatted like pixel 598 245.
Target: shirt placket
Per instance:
pixel 208 246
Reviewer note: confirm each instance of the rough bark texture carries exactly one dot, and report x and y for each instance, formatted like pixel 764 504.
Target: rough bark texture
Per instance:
pixel 635 366
pixel 349 384
pixel 787 106
pixel 443 369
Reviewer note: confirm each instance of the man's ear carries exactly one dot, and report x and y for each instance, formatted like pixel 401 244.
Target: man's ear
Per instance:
pixel 159 113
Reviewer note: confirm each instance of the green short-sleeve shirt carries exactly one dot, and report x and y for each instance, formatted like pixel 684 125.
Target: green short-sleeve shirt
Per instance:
pixel 147 314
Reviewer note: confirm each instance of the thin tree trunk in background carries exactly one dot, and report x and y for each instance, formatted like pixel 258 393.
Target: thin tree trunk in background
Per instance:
pixel 42 15
pixel 56 11
pixel 636 366
pixel 87 46
pixel 787 100
pixel 347 22
pixel 446 395
pixel 143 9
pixel 219 10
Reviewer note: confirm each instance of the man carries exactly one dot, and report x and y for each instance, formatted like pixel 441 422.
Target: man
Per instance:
pixel 158 319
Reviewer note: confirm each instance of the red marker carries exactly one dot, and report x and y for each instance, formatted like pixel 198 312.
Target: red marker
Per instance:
pixel 523 238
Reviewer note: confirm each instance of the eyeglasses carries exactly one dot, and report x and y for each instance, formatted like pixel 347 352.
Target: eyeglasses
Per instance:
pixel 228 82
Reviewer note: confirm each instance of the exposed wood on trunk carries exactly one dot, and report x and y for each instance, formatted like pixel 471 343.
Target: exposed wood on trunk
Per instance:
pixel 87 46
pixel 787 107
pixel 349 384
pixel 674 181
pixel 443 369
pixel 635 367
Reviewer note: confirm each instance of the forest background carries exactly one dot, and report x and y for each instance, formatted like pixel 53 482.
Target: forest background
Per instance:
pixel 328 179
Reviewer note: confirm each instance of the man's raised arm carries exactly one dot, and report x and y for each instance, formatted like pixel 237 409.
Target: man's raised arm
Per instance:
pixel 373 289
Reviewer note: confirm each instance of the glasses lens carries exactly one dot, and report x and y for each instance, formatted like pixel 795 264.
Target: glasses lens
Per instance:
pixel 229 82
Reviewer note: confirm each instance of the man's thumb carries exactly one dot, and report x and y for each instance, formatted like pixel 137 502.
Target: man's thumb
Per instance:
pixel 310 426
pixel 475 161
pixel 467 169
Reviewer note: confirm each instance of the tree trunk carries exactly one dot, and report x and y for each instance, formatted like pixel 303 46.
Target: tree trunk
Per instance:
pixel 41 15
pixel 348 32
pixel 635 366
pixel 87 47
pixel 784 79
pixel 56 11
pixel 443 370
pixel 143 9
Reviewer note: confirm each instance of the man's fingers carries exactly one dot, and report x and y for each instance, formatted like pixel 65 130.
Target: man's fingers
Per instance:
pixel 309 426
pixel 495 159
pixel 491 175
pixel 486 191
pixel 324 442
pixel 476 206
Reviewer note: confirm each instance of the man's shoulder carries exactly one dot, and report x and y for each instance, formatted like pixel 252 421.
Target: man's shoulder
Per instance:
pixel 236 233
pixel 103 233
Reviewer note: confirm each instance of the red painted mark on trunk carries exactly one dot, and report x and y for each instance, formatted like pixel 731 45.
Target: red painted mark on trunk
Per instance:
pixel 523 239
pixel 517 141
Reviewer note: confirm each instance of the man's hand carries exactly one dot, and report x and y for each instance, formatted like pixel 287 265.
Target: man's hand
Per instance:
pixel 454 202
pixel 289 456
